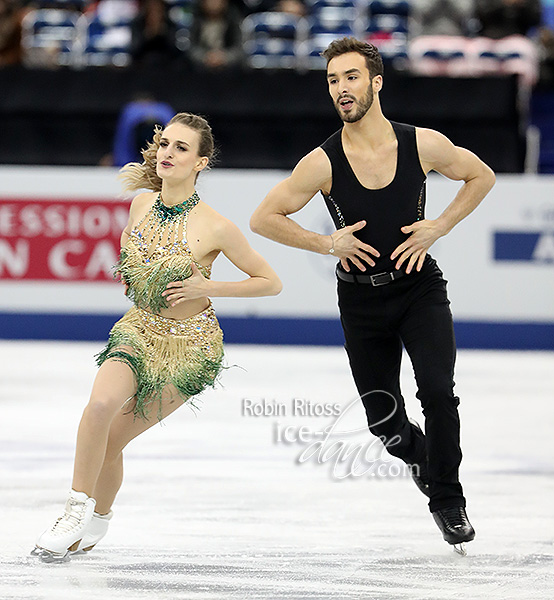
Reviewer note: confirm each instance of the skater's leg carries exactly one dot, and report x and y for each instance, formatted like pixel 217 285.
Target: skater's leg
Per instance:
pixel 428 336
pixel 375 364
pixel 375 352
pixel 113 386
pixel 108 483
pixel 124 428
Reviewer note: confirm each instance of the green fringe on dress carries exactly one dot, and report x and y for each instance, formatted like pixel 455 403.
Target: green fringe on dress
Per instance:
pixel 147 281
pixel 190 362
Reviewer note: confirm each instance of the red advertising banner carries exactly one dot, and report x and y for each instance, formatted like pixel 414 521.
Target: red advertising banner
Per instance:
pixel 63 240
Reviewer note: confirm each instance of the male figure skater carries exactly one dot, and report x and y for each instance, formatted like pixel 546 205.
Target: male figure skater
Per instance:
pixel 372 175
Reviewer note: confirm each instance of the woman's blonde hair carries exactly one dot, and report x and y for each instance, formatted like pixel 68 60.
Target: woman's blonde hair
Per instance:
pixel 137 176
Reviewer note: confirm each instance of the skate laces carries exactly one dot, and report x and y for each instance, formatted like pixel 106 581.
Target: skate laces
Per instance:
pixel 454 517
pixel 71 518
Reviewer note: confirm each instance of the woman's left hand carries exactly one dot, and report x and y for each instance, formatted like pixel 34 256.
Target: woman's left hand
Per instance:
pixel 196 286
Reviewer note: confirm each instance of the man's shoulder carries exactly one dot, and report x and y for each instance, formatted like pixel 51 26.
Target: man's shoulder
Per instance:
pixel 316 160
pixel 429 138
pixel 313 170
pixel 404 127
pixel 332 141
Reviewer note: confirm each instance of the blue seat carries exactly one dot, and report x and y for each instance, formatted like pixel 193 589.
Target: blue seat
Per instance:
pixel 270 40
pixel 106 43
pixel 314 6
pixel 388 23
pixel 310 50
pixel 387 28
pixel 542 116
pixel 393 47
pixel 333 20
pixel 548 14
pixel 500 55
pixel 61 4
pixel 272 24
pixel 188 4
pixel 443 54
pixel 48 36
pixel 272 54
pixel 389 7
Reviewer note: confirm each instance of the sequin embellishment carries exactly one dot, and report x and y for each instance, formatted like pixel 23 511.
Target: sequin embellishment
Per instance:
pixel 168 213
pixel 338 211
pixel 195 328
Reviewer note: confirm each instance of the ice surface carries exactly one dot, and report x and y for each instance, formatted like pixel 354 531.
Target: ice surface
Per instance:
pixel 213 506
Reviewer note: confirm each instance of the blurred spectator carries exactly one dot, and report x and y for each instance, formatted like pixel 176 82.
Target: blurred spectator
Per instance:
pixel 216 39
pixel 502 46
pixel 501 18
pixel 10 32
pixel 114 10
pixel 442 17
pixel 134 127
pixel 504 42
pixel 294 7
pixel 153 35
pixel 439 31
pixel 546 40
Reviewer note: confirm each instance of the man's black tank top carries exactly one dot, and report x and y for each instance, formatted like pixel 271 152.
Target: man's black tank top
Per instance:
pixel 386 209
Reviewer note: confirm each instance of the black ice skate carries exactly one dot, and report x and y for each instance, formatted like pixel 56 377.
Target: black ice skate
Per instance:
pixel 420 475
pixel 455 526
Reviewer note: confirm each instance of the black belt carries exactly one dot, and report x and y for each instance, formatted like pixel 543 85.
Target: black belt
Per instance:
pixel 374 280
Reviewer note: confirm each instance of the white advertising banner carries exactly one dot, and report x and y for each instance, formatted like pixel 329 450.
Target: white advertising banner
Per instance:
pixel 59 230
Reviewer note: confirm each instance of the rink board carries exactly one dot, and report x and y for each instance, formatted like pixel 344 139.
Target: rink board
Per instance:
pixel 59 237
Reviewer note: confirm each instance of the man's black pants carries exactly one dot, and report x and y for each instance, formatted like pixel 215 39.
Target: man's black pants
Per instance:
pixel 413 311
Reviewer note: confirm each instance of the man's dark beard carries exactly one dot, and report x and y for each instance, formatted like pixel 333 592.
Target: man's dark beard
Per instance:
pixel 359 112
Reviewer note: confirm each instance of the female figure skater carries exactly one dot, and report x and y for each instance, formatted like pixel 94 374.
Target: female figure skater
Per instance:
pixel 168 347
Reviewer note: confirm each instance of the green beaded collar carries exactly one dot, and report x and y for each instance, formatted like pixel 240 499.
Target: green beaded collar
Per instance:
pixel 169 213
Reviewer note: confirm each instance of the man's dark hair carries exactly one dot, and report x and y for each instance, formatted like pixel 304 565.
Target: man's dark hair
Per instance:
pixel 344 45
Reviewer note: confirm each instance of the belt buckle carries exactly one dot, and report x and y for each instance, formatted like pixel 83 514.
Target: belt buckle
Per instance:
pixel 381 279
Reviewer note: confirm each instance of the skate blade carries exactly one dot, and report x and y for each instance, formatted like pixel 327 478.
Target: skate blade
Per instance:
pixel 50 557
pixel 53 558
pixel 460 549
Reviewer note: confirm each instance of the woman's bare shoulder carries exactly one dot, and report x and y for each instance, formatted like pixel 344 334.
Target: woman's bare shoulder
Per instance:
pixel 143 200
pixel 140 205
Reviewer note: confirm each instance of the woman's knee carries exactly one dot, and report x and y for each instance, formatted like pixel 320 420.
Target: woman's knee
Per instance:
pixel 113 458
pixel 114 453
pixel 102 407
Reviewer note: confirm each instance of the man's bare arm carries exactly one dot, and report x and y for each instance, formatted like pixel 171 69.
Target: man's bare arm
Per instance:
pixel 271 218
pixel 458 164
pixel 438 153
pixel 289 196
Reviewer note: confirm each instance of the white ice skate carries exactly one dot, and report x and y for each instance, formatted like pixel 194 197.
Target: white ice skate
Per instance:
pixel 96 530
pixel 67 532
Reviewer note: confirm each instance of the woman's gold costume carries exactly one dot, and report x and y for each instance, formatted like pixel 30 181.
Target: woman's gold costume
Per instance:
pixel 184 353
